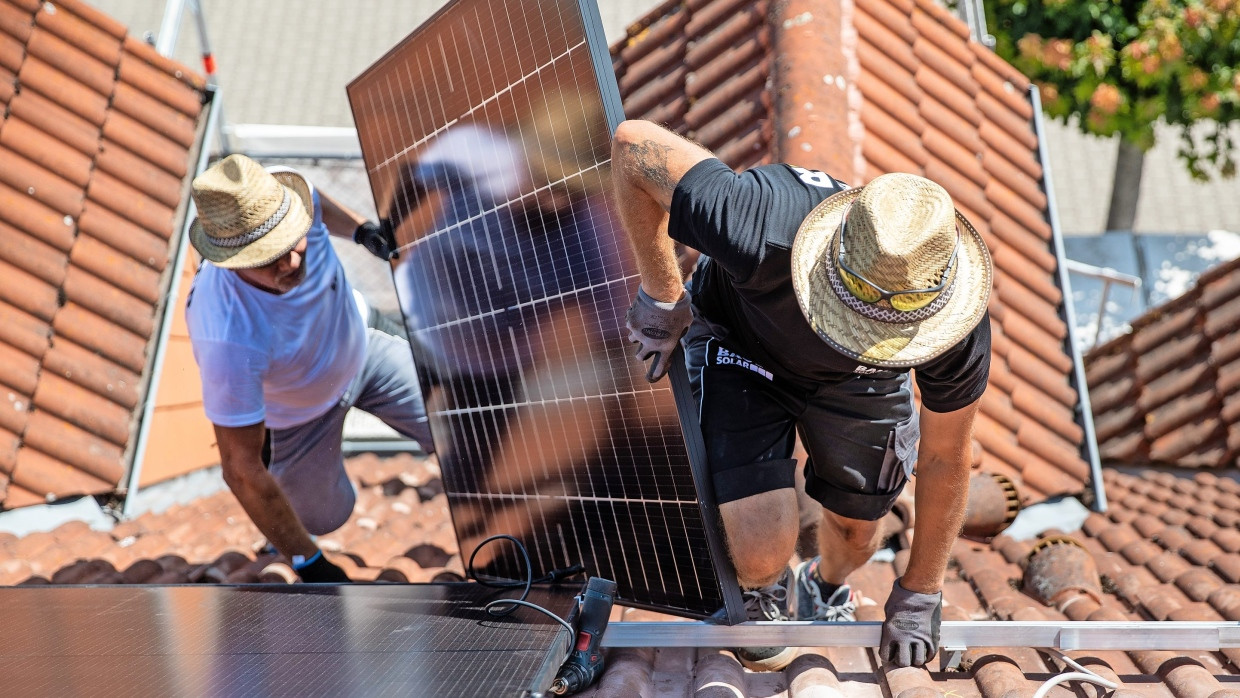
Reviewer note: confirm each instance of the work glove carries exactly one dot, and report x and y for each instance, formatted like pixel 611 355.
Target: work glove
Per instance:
pixel 377 239
pixel 911 631
pixel 656 327
pixel 319 570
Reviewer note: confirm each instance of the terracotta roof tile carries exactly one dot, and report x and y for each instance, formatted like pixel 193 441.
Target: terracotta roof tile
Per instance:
pixel 73 446
pixel 896 135
pixel 159 84
pixel 27 292
pixel 895 75
pixel 18 370
pixel 142 51
pixel 139 173
pixel 40 183
pixel 121 270
pixel 32 255
pixel 155 115
pixel 41 472
pixel 885 41
pixel 94 332
pixel 8 85
pixel 88 410
pixel 13 419
pixel 12 52
pixel 16 21
pixel 45 79
pixel 72 61
pixel 92 371
pixel 894 18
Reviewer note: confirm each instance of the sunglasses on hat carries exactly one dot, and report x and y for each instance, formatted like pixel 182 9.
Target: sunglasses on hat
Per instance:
pixel 870 292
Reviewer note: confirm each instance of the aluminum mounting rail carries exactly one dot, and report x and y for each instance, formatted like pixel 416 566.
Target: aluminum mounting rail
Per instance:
pixel 954 635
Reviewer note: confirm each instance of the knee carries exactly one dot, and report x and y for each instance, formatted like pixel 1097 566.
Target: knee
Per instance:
pixel 856 534
pixel 761 532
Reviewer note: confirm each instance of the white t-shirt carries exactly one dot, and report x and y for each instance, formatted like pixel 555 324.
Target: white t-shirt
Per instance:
pixel 283 359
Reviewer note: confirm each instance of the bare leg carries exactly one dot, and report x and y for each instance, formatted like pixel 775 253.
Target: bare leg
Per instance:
pixel 762 534
pixel 845 545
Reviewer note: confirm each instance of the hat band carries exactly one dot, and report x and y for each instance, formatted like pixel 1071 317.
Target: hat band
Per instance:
pixel 888 315
pixel 262 229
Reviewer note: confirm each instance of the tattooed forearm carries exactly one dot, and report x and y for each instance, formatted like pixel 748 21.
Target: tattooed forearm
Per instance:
pixel 648 159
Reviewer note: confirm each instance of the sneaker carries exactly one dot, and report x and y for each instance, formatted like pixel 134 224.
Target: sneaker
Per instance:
pixel 766 603
pixel 805 600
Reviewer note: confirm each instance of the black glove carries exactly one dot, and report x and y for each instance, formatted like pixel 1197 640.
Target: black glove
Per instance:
pixel 319 570
pixel 911 631
pixel 377 239
pixel 656 327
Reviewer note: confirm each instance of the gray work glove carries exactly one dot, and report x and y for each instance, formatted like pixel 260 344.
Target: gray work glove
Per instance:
pixel 911 631
pixel 656 327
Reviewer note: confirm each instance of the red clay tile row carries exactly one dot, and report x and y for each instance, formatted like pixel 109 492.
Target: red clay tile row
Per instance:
pixel 703 70
pixel 400 532
pixel 95 145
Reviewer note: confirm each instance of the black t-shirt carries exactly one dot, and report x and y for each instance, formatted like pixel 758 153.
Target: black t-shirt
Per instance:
pixel 744 225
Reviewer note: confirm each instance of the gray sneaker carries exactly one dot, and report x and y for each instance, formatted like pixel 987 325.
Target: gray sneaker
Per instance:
pixel 767 603
pixel 805 600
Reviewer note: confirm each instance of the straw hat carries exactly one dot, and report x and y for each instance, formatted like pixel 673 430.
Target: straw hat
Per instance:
pixel 247 216
pixel 902 233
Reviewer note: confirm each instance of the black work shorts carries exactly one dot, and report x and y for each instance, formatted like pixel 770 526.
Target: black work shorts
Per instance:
pixel 861 433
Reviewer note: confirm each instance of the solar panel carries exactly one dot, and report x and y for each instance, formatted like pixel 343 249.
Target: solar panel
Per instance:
pixel 208 640
pixel 486 136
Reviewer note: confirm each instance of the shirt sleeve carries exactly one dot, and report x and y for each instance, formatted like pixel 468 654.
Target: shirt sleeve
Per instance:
pixel 232 383
pixel 728 215
pixel 958 378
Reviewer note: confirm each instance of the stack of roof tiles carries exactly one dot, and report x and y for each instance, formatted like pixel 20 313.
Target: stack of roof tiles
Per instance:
pixel 95 143
pixel 1168 392
pixel 911 93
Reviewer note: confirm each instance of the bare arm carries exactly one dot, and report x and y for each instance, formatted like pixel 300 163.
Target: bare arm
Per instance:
pixel 241 459
pixel 943 465
pixel 648 162
pixel 340 220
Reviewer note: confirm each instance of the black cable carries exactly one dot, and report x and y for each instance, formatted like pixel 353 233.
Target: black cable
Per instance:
pixel 512 604
pixel 498 584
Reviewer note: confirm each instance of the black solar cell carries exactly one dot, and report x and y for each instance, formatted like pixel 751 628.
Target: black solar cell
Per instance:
pixel 486 135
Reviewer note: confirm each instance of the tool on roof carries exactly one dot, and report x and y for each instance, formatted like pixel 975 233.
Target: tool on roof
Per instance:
pixel 586 661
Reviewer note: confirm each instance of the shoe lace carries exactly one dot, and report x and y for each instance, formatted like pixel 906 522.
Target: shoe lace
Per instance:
pixel 766 603
pixel 845 610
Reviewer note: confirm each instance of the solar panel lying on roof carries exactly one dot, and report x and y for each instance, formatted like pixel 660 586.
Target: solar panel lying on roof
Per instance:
pixel 353 640
pixel 486 136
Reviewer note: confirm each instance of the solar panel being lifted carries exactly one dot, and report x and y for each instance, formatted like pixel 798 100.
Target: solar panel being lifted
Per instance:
pixel 486 136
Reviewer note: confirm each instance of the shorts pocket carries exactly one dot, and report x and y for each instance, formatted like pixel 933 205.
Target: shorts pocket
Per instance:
pixel 901 456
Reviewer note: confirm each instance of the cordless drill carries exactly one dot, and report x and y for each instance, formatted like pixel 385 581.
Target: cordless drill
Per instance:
pixel 586 662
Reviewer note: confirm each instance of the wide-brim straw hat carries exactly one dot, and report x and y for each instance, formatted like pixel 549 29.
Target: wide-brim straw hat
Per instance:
pixel 900 233
pixel 247 216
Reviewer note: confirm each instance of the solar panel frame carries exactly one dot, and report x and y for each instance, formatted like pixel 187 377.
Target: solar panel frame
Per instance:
pixel 494 402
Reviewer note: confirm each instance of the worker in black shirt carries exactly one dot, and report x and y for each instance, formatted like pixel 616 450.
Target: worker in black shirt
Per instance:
pixel 808 308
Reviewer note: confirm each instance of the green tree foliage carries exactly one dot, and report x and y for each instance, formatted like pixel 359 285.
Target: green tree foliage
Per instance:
pixel 1121 65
